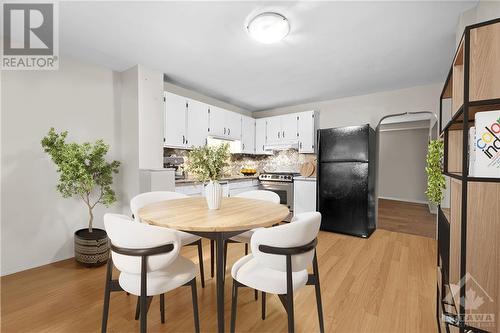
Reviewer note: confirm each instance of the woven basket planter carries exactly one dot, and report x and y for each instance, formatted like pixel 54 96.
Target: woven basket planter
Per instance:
pixel 91 248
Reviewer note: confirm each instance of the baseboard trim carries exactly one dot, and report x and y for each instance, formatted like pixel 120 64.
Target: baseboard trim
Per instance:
pixel 405 200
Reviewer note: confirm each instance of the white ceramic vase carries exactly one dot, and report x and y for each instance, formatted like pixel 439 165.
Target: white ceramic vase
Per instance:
pixel 213 194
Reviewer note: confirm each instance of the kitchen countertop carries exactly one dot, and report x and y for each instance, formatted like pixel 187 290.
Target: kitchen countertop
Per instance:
pixel 230 178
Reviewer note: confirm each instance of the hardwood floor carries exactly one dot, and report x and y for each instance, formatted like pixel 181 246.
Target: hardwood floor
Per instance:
pixel 386 283
pixel 406 217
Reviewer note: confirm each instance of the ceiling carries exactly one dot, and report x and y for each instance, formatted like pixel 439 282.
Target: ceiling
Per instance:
pixel 334 49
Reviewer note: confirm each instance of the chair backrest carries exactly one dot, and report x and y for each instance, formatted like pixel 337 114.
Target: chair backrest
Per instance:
pixel 147 198
pixel 122 233
pixel 260 195
pixel 302 231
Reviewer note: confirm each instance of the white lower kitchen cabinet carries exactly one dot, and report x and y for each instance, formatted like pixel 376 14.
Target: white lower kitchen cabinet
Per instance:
pixel 229 187
pixel 240 186
pixel 304 194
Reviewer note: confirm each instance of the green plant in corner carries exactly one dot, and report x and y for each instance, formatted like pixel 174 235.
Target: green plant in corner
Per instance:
pixel 435 179
pixel 208 163
pixel 83 171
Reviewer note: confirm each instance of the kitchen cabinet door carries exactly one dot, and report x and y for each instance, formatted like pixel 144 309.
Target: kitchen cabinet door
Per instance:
pixel 197 123
pixel 260 137
pixel 175 120
pixel 304 196
pixel 233 125
pixel 247 135
pixel 273 130
pixel 307 132
pixel 289 128
pixel 217 122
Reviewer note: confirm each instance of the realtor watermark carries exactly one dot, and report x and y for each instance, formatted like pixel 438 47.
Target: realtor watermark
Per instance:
pixel 476 302
pixel 30 36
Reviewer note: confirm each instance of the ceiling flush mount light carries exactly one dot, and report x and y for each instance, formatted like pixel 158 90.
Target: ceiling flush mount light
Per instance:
pixel 268 27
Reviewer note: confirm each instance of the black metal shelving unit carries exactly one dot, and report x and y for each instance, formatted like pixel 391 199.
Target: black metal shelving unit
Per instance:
pixel 461 121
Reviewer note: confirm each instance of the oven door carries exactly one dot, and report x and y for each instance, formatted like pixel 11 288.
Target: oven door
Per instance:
pixel 284 190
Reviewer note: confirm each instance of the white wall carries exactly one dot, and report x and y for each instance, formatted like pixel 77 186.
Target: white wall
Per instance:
pixel 402 163
pixel 37 223
pixel 366 109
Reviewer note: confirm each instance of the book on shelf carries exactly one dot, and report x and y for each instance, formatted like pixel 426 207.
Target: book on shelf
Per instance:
pixel 484 151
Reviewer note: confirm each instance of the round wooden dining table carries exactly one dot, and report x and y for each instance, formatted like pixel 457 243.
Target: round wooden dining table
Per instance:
pixel 235 216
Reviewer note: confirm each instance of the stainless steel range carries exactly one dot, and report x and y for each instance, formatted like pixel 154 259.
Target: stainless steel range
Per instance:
pixel 280 183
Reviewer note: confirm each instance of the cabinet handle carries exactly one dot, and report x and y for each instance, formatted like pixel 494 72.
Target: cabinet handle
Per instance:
pixel 224 130
pixel 278 135
pixel 243 146
pixel 183 139
pixel 262 147
pixel 301 145
pixel 228 131
pixel 283 134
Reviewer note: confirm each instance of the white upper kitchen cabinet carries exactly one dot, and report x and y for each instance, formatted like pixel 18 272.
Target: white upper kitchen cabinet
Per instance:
pixel 247 135
pixel 175 120
pixel 260 137
pixel 233 123
pixel 216 122
pixel 281 129
pixel 224 124
pixel 197 123
pixel 273 130
pixel 288 128
pixel 307 131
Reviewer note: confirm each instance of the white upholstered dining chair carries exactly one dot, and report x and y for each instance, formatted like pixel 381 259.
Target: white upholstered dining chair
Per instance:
pixel 187 239
pixel 247 235
pixel 278 264
pixel 149 264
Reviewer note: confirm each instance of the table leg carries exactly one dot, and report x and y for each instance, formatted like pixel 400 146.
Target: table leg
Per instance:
pixel 220 282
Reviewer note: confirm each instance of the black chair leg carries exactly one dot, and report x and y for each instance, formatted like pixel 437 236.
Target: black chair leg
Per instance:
pixel 233 306
pixel 289 294
pixel 138 308
pixel 200 258
pixel 318 294
pixel 225 256
pixel 107 294
pixel 212 258
pixel 144 293
pixel 149 299
pixel 246 248
pixel 162 308
pixel 263 305
pixel 256 294
pixel 195 306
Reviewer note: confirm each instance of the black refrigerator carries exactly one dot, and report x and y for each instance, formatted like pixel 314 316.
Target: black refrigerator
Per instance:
pixel 346 180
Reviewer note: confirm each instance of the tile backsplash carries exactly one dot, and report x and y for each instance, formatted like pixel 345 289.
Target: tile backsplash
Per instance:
pixel 285 160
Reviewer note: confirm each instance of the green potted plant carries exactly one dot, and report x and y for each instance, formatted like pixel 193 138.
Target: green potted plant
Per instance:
pixel 435 179
pixel 207 164
pixel 84 174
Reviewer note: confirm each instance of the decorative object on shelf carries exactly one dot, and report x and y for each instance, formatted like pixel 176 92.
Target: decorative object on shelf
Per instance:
pixel 435 181
pixel 85 174
pixel 207 163
pixel 486 162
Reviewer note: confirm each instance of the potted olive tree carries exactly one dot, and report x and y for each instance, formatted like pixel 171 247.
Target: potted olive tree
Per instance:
pixel 207 164
pixel 84 174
